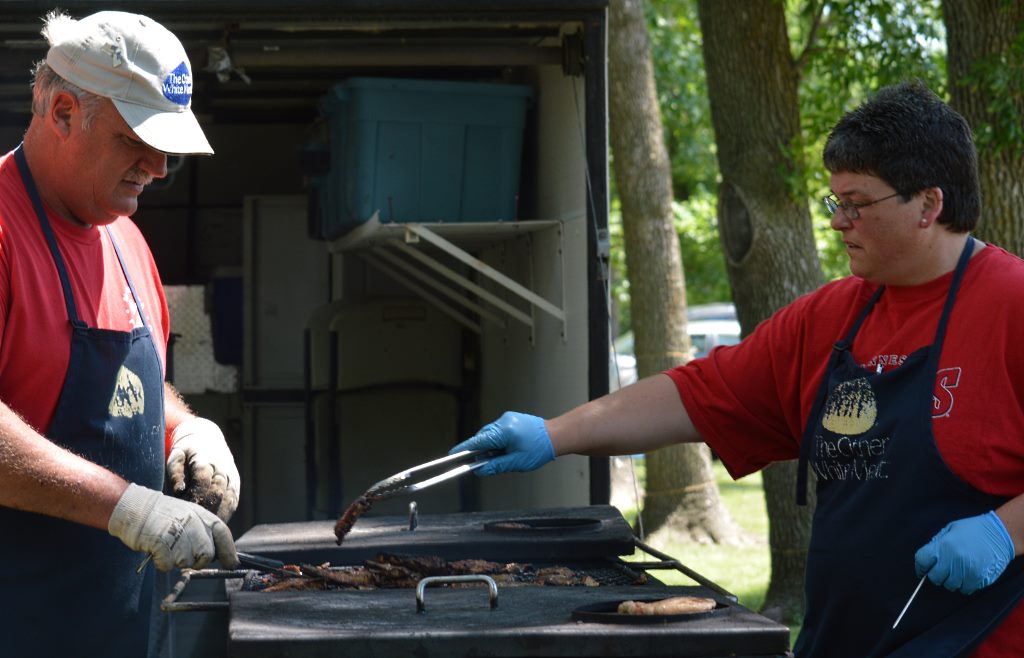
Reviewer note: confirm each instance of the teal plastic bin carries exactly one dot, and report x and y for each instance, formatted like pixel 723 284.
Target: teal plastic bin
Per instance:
pixel 421 151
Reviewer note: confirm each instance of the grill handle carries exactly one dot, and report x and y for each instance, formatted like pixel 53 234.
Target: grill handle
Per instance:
pixel 172 604
pixel 421 587
pixel 668 562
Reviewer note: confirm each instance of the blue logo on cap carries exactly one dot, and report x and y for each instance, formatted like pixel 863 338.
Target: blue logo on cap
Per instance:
pixel 178 85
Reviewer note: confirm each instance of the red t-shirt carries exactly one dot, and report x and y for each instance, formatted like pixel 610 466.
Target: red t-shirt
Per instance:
pixel 35 335
pixel 750 401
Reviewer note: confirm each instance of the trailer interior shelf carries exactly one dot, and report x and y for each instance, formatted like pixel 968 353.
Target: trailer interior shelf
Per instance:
pixel 393 247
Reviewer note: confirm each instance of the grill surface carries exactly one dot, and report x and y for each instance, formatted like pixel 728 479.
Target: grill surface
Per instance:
pixel 528 620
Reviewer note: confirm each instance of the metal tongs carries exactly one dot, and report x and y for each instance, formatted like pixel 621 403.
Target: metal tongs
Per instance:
pixel 399 483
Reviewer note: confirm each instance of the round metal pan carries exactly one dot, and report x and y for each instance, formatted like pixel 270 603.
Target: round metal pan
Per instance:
pixel 605 612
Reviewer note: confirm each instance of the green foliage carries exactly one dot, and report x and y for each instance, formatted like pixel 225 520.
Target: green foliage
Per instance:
pixel 676 53
pixel 1000 77
pixel 696 221
pixel 678 59
pixel 857 47
pixel 845 49
pixel 697 226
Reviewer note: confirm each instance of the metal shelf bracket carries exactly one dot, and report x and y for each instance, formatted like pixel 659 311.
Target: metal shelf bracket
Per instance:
pixel 391 248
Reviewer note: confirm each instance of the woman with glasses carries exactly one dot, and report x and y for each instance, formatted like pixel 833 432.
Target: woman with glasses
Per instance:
pixel 900 387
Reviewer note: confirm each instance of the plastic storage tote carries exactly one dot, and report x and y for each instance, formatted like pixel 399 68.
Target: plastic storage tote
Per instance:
pixel 421 151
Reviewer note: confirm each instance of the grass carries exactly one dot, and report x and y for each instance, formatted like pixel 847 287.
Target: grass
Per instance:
pixel 743 570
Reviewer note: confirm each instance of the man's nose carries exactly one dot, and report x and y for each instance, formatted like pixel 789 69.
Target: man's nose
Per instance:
pixel 154 163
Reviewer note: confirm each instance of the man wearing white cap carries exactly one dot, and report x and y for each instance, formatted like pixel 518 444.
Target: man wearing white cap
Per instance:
pixel 88 429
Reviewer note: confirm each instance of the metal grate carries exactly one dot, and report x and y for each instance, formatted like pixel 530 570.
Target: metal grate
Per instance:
pixel 606 572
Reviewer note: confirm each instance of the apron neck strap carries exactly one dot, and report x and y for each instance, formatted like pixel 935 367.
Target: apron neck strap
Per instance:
pixel 954 287
pixel 127 277
pixel 51 239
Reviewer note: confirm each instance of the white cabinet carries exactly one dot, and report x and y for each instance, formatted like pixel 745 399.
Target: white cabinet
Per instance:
pixel 285 277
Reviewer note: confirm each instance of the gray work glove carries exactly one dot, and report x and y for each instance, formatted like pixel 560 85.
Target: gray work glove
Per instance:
pixel 201 468
pixel 175 532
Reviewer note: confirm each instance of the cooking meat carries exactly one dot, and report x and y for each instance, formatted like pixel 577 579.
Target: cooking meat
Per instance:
pixel 392 575
pixel 396 571
pixel 677 605
pixel 475 567
pixel 295 584
pixel 563 576
pixel 349 577
pixel 428 565
pixel 351 515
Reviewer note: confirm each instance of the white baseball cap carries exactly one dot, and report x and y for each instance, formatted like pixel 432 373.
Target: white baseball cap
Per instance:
pixel 140 66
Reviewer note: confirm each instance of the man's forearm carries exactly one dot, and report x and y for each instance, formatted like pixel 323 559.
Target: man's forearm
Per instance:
pixel 175 409
pixel 36 475
pixel 639 418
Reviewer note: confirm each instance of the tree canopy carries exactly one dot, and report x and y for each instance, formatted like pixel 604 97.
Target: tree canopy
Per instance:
pixel 843 51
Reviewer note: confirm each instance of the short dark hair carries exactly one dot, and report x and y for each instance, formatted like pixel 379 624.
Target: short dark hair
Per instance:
pixel 911 139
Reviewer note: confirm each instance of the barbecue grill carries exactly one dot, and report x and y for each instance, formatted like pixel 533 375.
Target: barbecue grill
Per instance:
pixel 455 618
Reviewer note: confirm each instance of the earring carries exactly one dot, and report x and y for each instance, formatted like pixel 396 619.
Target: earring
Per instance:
pixel 924 222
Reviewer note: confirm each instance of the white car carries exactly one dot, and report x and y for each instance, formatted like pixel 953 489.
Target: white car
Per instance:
pixel 708 325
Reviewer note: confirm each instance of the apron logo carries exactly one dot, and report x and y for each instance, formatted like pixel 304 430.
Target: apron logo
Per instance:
pixel 851 408
pixel 129 398
pixel 850 412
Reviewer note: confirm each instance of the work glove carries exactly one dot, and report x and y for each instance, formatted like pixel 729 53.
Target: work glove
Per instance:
pixel 201 468
pixel 966 555
pixel 175 532
pixel 523 437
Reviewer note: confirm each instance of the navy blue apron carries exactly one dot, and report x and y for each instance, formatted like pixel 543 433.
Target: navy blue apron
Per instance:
pixel 68 589
pixel 883 492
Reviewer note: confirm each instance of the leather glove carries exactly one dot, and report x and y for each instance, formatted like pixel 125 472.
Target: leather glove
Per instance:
pixel 523 437
pixel 966 555
pixel 175 532
pixel 201 468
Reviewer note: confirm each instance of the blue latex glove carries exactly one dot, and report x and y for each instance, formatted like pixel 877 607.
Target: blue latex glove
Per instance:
pixel 966 555
pixel 523 437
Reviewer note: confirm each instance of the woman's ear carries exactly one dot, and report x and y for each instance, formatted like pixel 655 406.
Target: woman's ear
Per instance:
pixel 931 206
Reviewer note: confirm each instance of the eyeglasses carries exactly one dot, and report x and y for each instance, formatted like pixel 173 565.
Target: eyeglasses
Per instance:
pixel 850 210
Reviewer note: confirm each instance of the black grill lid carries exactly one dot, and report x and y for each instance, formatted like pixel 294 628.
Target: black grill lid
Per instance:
pixel 546 534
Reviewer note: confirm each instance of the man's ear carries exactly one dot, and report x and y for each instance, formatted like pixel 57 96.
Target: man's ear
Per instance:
pixel 931 206
pixel 59 114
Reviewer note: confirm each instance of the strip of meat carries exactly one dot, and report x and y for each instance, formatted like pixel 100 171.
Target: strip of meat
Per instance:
pixel 356 577
pixel 677 605
pixel 392 575
pixel 477 567
pixel 563 576
pixel 428 565
pixel 351 515
pixel 295 584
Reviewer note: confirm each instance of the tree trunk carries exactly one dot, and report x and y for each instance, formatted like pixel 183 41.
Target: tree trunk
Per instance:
pixel 986 87
pixel 680 491
pixel 764 223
